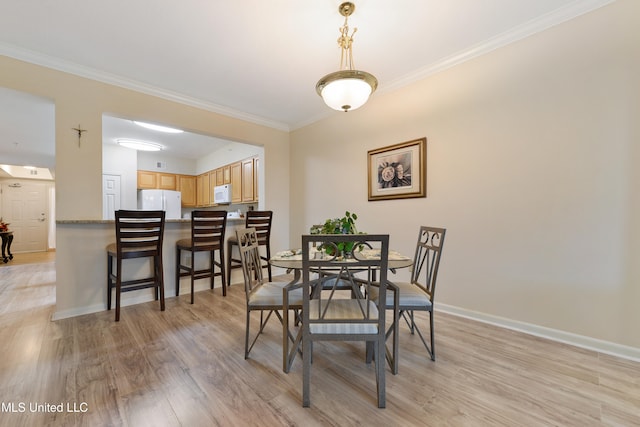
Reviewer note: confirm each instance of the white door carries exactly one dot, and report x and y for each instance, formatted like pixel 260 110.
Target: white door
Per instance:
pixel 24 207
pixel 110 195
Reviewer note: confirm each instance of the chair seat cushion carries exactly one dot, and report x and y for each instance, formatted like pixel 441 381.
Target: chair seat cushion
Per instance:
pixel 342 309
pixel 184 243
pixel 410 296
pixel 269 294
pixel 141 252
pixel 187 245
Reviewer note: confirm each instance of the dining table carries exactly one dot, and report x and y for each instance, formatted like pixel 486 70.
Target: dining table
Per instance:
pixel 291 260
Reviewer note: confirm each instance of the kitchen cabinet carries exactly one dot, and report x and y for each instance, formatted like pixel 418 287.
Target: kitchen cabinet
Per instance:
pixel 236 182
pixel 167 181
pixel 203 189
pixel 226 174
pixel 187 188
pixel 248 183
pixel 212 186
pixel 220 176
pixel 256 178
pixel 148 180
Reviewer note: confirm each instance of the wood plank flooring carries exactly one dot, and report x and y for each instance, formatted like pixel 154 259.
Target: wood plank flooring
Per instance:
pixel 185 367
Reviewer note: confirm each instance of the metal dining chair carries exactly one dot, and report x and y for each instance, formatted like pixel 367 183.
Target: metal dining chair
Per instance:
pixel 404 298
pixel 329 314
pixel 264 296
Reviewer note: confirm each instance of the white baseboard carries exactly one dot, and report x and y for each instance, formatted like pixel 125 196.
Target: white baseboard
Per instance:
pixel 601 346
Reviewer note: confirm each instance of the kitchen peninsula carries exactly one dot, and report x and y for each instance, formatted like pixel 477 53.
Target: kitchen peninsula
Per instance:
pixel 82 244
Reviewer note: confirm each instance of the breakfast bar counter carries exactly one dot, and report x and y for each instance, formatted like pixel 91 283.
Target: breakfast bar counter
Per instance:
pixel 81 264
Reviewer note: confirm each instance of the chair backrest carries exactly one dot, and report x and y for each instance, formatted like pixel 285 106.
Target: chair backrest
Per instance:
pixel 250 258
pixel 324 275
pixel 207 229
pixel 261 221
pixel 427 259
pixel 139 233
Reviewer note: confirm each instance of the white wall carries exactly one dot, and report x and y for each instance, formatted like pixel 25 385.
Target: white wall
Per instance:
pixel 530 158
pixel 148 161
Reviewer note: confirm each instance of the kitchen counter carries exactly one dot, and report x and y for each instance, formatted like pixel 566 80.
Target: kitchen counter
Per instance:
pixel 81 264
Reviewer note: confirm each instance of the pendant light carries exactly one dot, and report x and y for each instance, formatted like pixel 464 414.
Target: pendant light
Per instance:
pixel 348 88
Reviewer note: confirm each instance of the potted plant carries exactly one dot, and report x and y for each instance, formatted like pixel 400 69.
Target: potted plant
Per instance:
pixel 4 226
pixel 344 225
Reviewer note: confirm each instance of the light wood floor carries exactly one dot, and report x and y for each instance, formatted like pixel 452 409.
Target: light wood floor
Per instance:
pixel 185 366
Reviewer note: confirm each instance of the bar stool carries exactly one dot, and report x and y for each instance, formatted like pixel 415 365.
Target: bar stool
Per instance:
pixel 139 234
pixel 207 235
pixel 261 221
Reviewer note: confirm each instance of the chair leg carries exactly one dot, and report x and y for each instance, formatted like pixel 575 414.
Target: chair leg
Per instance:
pixel 380 371
pixel 118 287
pixel 212 268
pixel 193 263
pixel 178 271
pixel 433 348
pixel 223 275
pixel 306 371
pixel 160 279
pixel 246 336
pixel 229 254
pixel 109 283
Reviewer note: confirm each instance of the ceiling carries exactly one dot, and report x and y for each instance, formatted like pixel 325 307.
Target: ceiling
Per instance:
pixel 254 59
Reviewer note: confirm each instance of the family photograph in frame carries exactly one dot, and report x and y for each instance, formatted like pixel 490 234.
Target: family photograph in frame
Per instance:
pixel 398 171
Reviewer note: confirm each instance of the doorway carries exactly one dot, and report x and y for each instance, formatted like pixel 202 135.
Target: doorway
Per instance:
pixel 24 207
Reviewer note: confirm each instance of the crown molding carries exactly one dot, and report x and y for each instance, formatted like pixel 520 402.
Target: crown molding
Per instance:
pixel 563 14
pixel 112 79
pixel 544 22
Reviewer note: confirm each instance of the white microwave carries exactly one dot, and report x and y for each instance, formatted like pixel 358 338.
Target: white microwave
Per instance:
pixel 222 194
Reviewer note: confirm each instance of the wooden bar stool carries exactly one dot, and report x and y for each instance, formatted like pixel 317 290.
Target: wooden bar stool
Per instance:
pixel 207 235
pixel 139 234
pixel 261 221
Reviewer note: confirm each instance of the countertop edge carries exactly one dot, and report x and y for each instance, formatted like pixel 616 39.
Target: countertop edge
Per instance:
pixel 111 221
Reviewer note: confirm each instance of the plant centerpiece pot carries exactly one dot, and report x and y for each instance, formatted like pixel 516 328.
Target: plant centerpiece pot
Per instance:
pixel 4 226
pixel 344 225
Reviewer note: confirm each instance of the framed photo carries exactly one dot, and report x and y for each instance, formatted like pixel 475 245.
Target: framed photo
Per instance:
pixel 398 171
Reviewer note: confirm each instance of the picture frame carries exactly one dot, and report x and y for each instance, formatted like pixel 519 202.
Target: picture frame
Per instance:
pixel 398 171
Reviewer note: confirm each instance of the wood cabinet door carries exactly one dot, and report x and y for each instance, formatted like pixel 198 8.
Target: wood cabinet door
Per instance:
pixel 236 182
pixel 256 178
pixel 206 190
pixel 203 190
pixel 226 174
pixel 247 180
pixel 167 181
pixel 219 176
pixel 187 188
pixel 147 180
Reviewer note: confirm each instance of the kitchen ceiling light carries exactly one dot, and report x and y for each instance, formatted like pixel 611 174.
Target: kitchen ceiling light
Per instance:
pixel 139 145
pixel 158 127
pixel 346 89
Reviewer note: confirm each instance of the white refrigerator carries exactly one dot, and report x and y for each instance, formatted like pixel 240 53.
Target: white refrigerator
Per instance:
pixel 166 200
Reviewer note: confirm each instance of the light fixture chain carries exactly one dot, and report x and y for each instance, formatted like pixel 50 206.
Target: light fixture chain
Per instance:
pixel 345 41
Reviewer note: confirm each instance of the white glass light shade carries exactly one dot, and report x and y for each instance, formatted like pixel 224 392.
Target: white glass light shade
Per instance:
pixel 346 90
pixel 139 145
